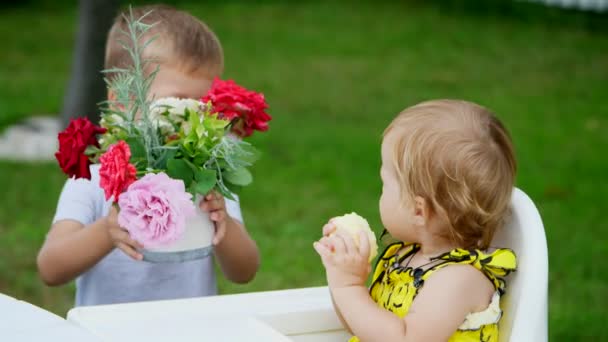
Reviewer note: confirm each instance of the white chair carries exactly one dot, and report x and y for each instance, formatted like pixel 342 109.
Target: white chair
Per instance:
pixel 525 302
pixel 307 315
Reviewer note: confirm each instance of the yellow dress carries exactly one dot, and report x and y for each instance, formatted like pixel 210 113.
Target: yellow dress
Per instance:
pixel 394 286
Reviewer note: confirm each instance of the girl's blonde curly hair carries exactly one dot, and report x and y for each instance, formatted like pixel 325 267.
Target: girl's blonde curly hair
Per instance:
pixel 459 157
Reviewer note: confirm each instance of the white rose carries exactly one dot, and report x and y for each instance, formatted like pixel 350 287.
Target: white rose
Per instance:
pixel 352 224
pixel 176 107
pixel 111 119
pixel 112 122
pixel 168 110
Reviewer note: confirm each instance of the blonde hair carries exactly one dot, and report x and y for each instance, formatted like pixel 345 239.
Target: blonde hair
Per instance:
pixel 181 40
pixel 459 157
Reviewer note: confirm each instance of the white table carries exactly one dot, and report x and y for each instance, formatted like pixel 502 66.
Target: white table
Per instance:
pixel 273 316
pixel 22 321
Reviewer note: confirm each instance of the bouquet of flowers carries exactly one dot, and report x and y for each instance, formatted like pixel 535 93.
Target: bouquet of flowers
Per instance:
pixel 156 156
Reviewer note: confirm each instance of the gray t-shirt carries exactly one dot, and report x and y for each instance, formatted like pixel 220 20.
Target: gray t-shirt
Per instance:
pixel 119 279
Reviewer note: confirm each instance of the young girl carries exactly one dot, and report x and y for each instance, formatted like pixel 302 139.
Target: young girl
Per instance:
pixel 447 171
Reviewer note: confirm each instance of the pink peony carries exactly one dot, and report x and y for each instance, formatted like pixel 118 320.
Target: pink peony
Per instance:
pixel 116 173
pixel 154 210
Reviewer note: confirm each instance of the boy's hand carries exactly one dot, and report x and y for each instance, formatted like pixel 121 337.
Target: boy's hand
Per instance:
pixel 345 263
pixel 215 204
pixel 120 237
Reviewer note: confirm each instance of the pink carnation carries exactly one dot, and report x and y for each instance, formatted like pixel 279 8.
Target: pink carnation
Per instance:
pixel 154 210
pixel 116 173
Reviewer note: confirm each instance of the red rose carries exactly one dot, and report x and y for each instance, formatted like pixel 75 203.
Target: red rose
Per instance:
pixel 73 141
pixel 230 101
pixel 116 173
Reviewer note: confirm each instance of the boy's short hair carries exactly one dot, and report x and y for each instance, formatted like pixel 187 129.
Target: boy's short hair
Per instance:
pixel 459 157
pixel 181 40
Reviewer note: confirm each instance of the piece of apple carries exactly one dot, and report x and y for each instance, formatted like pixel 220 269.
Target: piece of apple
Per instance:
pixel 352 224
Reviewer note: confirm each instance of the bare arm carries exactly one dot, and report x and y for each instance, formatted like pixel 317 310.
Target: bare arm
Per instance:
pixel 237 253
pixel 327 230
pixel 366 319
pixel 339 314
pixel 70 248
pixel 435 315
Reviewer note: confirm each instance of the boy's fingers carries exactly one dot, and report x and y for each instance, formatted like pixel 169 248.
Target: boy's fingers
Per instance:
pixel 218 215
pixel 134 243
pixel 129 251
pixel 213 195
pixel 211 204
pixel 214 205
pixel 113 211
pixel 112 217
pixel 204 205
pixel 124 237
pixel 219 235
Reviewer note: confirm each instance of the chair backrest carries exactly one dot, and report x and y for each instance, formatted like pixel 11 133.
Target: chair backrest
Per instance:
pixel 525 302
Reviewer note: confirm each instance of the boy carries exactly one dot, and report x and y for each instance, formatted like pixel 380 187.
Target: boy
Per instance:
pixel 85 242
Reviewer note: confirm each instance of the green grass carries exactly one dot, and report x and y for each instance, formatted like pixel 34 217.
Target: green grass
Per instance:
pixel 335 75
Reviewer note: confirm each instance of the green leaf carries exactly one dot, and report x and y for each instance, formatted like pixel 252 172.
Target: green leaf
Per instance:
pixel 205 180
pixel 194 122
pixel 191 189
pixel 138 151
pixel 215 124
pixel 250 154
pixel 193 167
pixel 235 189
pixel 225 192
pixel 178 169
pixel 166 155
pixel 203 188
pixel 239 177
pixel 205 174
pixel 91 150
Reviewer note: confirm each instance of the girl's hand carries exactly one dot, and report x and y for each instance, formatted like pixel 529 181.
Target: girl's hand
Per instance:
pixel 345 263
pixel 215 204
pixel 329 228
pixel 120 237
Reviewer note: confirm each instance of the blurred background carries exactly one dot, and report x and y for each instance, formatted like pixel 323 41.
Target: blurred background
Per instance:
pixel 335 73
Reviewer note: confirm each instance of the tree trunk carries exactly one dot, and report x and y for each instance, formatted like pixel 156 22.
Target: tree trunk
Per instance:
pixel 86 88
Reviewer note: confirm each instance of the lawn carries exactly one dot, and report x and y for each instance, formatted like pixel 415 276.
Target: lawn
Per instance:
pixel 335 75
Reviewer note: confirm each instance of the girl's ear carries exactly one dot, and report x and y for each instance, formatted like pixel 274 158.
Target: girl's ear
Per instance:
pixel 421 211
